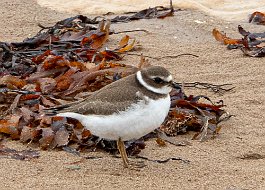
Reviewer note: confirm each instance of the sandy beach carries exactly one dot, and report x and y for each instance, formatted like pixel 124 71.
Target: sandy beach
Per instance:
pixel 214 164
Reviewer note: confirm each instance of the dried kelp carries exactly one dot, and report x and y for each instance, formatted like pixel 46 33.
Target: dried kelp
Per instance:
pixel 67 62
pixel 155 12
pixel 187 113
pixel 257 17
pixel 18 155
pixel 252 44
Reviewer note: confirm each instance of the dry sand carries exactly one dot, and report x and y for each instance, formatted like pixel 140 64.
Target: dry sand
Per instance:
pixel 214 164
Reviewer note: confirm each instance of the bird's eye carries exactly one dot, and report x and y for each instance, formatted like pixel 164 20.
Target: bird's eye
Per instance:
pixel 158 80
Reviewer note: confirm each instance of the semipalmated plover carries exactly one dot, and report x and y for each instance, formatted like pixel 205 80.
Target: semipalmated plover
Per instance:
pixel 126 109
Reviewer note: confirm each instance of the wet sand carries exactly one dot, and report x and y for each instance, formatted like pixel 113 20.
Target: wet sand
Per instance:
pixel 225 9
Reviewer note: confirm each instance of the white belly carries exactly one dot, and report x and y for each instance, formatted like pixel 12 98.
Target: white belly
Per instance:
pixel 137 121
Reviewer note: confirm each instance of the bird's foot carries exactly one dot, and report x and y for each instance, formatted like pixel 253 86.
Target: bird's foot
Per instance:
pixel 136 165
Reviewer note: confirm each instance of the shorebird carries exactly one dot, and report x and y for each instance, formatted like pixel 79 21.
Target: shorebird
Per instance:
pixel 126 109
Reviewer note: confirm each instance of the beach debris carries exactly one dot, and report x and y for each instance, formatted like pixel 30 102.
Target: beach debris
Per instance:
pixel 187 113
pixel 73 167
pixel 221 37
pixel 257 17
pixel 66 63
pixel 162 138
pixel 159 12
pixel 251 44
pixel 67 44
pixel 199 21
pixel 220 89
pixel 6 152
pixel 252 156
pixel 164 160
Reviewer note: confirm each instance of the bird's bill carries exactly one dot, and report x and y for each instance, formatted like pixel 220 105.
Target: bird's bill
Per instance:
pixel 175 85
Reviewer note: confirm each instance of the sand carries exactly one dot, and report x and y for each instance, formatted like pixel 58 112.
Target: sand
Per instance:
pixel 214 164
pixel 225 9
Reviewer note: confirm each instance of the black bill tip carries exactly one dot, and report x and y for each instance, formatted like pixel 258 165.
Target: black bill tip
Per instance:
pixel 175 85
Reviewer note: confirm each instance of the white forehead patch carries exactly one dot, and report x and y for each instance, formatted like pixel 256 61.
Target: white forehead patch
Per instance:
pixel 169 78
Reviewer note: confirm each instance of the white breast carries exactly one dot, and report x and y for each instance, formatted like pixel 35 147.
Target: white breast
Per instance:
pixel 139 120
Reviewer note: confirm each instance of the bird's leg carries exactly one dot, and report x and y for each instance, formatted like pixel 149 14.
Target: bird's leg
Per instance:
pixel 127 164
pixel 122 150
